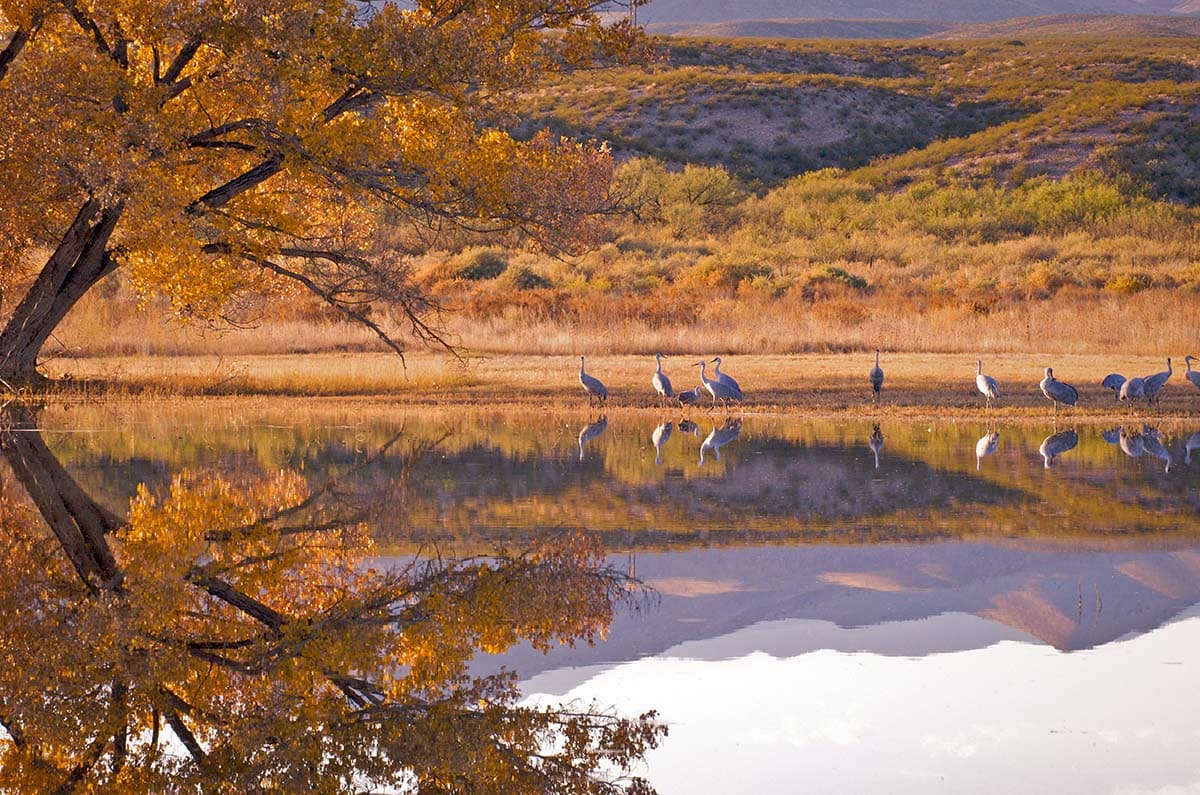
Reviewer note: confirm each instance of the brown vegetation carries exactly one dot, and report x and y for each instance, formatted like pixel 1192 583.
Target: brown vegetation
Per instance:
pixel 1048 207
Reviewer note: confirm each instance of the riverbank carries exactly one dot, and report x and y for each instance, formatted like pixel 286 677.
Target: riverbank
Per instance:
pixel 915 385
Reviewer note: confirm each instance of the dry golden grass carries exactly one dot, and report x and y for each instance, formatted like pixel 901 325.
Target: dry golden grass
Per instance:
pixel 1141 324
pixel 743 322
pixel 916 385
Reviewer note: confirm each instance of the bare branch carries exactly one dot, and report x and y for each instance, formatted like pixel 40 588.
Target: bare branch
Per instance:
pixel 328 297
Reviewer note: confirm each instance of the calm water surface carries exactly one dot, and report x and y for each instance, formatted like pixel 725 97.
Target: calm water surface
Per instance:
pixel 834 606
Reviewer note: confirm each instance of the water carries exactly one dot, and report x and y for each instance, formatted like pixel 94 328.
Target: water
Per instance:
pixel 836 606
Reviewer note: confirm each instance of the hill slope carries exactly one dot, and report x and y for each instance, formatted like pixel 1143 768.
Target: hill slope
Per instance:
pixel 1076 26
pixel 1141 26
pixel 999 109
pixel 663 11
pixel 802 29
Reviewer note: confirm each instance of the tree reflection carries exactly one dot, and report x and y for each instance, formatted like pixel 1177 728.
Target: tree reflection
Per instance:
pixel 229 636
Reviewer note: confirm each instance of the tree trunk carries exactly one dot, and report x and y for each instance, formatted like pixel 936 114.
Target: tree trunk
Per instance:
pixel 81 259
pixel 80 524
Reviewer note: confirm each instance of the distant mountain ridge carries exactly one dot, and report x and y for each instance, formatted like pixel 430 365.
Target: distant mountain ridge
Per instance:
pixel 676 11
pixel 1064 25
pixel 1049 26
pixel 803 29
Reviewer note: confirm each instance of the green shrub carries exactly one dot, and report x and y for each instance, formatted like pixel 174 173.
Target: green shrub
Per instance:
pixel 835 274
pixel 481 264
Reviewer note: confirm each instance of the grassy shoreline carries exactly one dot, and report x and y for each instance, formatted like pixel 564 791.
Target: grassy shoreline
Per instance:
pixel 916 385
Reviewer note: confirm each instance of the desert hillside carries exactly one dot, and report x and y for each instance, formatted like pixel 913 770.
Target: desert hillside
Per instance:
pixel 1020 193
pixel 1131 26
pixel 672 11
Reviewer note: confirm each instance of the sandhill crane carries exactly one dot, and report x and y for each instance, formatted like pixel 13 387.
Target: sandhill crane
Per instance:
pixel 1153 384
pixel 876 377
pixel 659 438
pixel 875 443
pixel 1058 391
pixel 1114 381
pixel 660 382
pixel 592 385
pixel 1056 444
pixel 1155 447
pixel 725 378
pixel 590 432
pixel 690 397
pixel 1133 389
pixel 1192 443
pixel 1192 375
pixel 687 426
pixel 718 390
pixel 986 445
pixel 986 384
pixel 719 437
pixel 1131 443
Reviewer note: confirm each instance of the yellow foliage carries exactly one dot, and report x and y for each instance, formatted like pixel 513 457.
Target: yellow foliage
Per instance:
pixel 231 141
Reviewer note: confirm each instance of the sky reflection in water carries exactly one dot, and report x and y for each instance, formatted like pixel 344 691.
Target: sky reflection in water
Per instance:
pixel 839 606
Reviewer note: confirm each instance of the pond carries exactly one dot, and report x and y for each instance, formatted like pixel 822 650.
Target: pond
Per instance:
pixel 834 605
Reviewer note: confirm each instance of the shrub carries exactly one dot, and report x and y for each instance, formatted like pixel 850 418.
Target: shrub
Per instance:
pixel 522 277
pixel 715 274
pixel 481 264
pixel 836 274
pixel 829 281
pixel 1048 278
pixel 1129 282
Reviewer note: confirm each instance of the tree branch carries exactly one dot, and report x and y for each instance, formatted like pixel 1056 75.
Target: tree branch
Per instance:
pixel 248 605
pixel 118 51
pixel 185 735
pixel 329 298
pixel 20 38
pixel 218 197
pixel 186 53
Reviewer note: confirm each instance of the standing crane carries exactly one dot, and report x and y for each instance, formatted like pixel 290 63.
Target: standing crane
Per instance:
pixel 725 378
pixel 1153 384
pixel 719 390
pixel 986 384
pixel 1058 391
pixel 1192 375
pixel 592 385
pixel 1133 389
pixel 876 376
pixel 660 382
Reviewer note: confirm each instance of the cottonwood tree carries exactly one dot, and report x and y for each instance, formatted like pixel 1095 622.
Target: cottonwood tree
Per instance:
pixel 209 148
pixel 228 636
